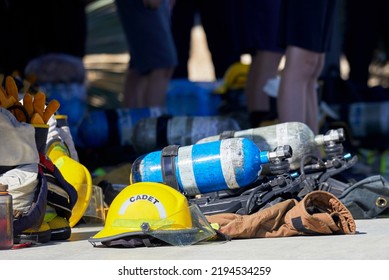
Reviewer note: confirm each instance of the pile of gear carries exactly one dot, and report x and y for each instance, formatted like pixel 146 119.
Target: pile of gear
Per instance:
pixel 220 183
pixel 39 164
pixel 271 181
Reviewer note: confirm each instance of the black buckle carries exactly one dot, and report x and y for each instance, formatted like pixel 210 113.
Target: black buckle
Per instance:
pixel 168 165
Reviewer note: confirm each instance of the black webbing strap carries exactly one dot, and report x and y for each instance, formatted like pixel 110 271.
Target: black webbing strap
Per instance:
pixel 4 169
pixel 334 186
pixel 61 122
pixel 113 126
pixel 168 165
pixel 298 224
pixel 227 134
pixel 162 122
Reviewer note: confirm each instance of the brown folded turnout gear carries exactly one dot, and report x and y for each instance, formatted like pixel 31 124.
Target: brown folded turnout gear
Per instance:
pixel 318 213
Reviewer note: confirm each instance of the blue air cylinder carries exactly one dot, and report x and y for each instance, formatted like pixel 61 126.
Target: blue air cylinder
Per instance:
pixel 113 126
pixel 203 168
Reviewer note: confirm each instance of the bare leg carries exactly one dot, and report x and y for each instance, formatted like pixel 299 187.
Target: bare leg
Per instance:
pixel 264 66
pixel 134 87
pixel 146 90
pixel 157 87
pixel 312 96
pixel 297 89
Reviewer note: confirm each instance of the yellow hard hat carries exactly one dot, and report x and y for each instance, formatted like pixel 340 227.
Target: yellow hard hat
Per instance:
pixel 56 149
pixel 235 77
pixel 79 177
pixel 155 210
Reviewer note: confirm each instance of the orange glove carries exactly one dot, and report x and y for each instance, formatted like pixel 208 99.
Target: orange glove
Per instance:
pixel 10 98
pixel 41 113
pixel 5 100
pixel 9 95
pixel 11 88
pixel 33 106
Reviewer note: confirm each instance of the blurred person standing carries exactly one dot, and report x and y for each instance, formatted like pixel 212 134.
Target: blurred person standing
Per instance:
pixel 258 21
pixel 153 57
pixel 365 32
pixel 305 32
pixel 217 18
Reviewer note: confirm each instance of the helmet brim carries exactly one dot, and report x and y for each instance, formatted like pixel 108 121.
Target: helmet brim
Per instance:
pixel 201 230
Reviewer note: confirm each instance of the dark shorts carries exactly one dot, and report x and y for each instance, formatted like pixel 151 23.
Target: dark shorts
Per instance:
pixel 307 24
pixel 148 34
pixel 259 25
pixel 217 17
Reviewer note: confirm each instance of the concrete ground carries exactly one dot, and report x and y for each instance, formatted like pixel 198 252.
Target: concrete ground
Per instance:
pixel 370 243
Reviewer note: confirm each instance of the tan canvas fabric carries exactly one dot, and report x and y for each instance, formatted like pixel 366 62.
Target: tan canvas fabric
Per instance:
pixel 318 213
pixel 321 212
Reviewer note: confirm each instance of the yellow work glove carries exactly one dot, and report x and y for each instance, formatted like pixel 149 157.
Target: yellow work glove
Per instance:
pixel 37 109
pixel 33 110
pixel 7 100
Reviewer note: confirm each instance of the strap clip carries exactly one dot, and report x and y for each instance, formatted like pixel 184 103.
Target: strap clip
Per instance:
pixel 168 164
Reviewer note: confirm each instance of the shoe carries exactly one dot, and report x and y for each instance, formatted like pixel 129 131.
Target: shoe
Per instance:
pixel 268 123
pixel 60 228
pixel 34 235
pixel 262 118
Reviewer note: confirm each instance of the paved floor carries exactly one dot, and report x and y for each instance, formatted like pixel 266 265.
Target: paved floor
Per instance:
pixel 370 243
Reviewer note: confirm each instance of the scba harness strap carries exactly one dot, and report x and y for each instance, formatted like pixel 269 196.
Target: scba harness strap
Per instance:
pixel 55 179
pixel 48 174
pixel 168 164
